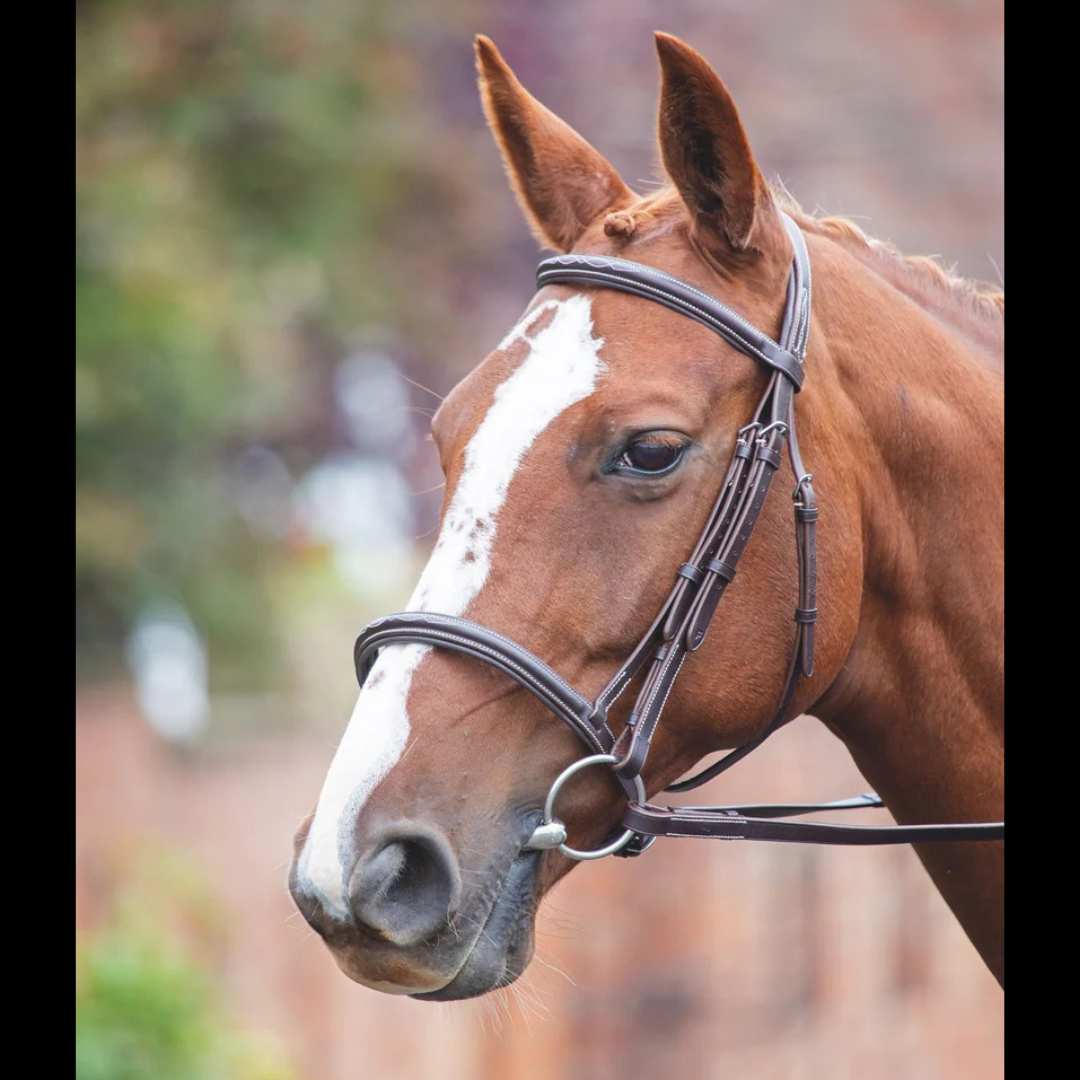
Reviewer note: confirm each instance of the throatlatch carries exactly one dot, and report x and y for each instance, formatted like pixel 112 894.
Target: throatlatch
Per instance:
pixel 683 622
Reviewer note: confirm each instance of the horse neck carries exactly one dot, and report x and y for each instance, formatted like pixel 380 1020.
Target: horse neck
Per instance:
pixel 919 698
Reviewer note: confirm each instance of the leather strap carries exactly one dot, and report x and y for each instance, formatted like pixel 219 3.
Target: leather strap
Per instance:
pixel 725 538
pixel 706 824
pixel 869 801
pixel 526 669
pixel 673 293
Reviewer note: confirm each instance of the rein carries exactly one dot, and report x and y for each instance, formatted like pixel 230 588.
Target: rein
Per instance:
pixel 682 623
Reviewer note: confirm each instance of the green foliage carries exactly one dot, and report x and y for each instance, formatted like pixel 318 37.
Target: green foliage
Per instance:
pixel 140 1014
pixel 234 162
pixel 144 1013
pixel 145 1007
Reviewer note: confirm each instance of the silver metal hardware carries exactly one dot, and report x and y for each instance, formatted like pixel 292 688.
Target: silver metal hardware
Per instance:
pixel 551 833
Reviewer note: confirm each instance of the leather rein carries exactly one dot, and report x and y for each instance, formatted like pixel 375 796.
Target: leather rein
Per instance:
pixel 681 626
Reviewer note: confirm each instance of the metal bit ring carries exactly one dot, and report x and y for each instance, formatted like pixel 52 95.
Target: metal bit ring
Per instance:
pixel 551 833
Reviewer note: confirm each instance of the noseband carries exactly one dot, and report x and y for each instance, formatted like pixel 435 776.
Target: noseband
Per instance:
pixel 683 621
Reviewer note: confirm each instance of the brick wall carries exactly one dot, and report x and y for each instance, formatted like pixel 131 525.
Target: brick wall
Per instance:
pixel 695 960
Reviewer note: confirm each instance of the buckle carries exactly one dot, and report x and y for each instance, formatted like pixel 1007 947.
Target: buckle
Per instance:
pixel 776 425
pixel 797 496
pixel 635 846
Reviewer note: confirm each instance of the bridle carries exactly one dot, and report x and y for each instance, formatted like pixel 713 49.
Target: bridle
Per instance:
pixel 683 621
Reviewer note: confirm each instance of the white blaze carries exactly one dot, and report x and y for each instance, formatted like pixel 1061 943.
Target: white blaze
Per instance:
pixel 561 368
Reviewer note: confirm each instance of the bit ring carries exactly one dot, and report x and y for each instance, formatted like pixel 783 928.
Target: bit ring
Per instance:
pixel 548 832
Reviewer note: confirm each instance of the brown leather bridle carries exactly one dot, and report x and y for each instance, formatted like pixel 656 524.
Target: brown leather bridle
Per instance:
pixel 683 621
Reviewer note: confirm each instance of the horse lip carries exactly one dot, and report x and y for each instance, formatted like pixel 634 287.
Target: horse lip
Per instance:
pixel 520 879
pixel 446 989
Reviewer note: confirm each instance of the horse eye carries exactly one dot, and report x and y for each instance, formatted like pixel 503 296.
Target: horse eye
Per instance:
pixel 652 454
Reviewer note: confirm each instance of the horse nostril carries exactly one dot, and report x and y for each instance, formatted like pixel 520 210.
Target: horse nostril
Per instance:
pixel 407 888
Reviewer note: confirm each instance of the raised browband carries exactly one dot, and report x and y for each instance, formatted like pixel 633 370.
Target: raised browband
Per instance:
pixel 673 293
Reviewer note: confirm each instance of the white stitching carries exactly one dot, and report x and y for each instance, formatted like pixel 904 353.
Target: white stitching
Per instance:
pixel 706 316
pixel 595 265
pixel 526 676
pixel 699 836
pixel 570 263
pixel 720 327
pixel 453 620
pixel 663 704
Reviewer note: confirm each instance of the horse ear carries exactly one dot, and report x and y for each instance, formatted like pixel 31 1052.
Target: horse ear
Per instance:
pixel 708 157
pixel 562 183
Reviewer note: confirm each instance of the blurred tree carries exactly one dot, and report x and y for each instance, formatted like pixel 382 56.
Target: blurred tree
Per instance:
pixel 264 188
pixel 144 1013
pixel 146 1006
pixel 233 162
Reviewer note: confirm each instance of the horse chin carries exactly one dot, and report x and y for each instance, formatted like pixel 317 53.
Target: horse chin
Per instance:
pixel 504 946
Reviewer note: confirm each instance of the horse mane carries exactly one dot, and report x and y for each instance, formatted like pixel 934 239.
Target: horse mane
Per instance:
pixel 975 309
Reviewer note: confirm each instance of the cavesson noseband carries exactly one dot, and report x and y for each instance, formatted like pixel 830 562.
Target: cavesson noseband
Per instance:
pixel 682 623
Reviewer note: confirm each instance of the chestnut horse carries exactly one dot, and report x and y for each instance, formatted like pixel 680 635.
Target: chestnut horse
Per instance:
pixel 582 458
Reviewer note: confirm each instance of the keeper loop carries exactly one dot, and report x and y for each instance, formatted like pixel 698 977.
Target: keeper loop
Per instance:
pixel 720 568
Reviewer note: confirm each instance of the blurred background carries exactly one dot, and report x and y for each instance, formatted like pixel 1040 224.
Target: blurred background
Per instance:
pixel 293 234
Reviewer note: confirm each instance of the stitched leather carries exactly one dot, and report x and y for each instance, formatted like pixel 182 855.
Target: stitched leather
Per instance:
pixel 461 635
pixel 673 293
pixel 869 801
pixel 658 821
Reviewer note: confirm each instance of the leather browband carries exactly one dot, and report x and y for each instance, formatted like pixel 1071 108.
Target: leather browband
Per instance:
pixel 673 293
pixel 680 627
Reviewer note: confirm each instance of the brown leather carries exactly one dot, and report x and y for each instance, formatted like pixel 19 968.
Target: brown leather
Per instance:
pixel 683 621
pixel 708 824
pixel 460 635
pixel 674 293
pixel 724 540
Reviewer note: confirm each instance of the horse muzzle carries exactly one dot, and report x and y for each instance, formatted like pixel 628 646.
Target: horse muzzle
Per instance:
pixel 416 924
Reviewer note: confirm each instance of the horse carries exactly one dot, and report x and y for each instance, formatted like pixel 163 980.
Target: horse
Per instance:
pixel 582 458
